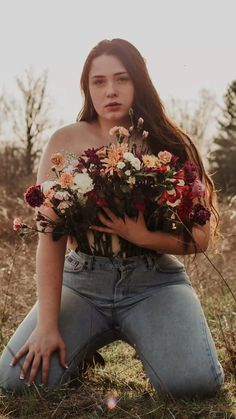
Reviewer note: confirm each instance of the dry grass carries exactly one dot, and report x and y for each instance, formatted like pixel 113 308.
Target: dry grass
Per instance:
pixel 123 375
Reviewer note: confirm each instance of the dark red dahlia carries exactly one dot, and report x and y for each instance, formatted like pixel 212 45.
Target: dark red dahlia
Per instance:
pixel 200 214
pixel 92 157
pixel 190 170
pixel 34 196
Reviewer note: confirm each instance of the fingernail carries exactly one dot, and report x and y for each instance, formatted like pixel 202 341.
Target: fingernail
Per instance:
pixel 66 366
pixel 11 364
pixel 28 384
pixel 22 377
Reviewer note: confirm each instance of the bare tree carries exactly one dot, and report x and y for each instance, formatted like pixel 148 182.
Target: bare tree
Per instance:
pixel 196 122
pixel 29 116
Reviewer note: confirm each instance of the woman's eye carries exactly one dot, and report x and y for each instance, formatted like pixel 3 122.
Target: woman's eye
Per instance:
pixel 123 79
pixel 98 82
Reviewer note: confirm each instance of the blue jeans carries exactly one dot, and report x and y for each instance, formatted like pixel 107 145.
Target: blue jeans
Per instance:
pixel 146 301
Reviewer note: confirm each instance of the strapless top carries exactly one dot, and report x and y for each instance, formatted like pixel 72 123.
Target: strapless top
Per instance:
pixel 111 246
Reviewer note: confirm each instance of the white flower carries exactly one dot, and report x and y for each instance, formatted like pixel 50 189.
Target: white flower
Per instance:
pixel 48 184
pixel 136 163
pixel 131 180
pixel 69 169
pixel 74 162
pixel 83 183
pixel 120 165
pixel 128 156
pixel 127 172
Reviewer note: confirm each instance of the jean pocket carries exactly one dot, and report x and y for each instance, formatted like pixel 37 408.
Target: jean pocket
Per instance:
pixel 73 264
pixel 169 264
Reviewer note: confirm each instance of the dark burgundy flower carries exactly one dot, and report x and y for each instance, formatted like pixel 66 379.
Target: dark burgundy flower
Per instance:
pixel 200 214
pixel 92 157
pixel 190 170
pixel 34 196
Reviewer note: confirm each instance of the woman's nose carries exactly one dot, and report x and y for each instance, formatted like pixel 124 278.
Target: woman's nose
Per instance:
pixel 111 90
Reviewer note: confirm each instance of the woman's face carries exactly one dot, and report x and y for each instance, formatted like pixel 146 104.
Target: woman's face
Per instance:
pixel 110 82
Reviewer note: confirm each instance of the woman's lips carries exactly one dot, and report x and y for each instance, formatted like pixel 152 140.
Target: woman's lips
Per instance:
pixel 113 107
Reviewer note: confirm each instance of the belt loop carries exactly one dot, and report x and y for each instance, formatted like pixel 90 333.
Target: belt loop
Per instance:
pixel 92 262
pixel 147 261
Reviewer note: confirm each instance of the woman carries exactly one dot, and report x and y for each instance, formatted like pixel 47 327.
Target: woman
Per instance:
pixel 86 301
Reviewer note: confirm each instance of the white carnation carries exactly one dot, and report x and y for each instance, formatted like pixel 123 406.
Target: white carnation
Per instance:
pixel 48 184
pixel 83 183
pixel 120 165
pixel 136 163
pixel 128 172
pixel 128 156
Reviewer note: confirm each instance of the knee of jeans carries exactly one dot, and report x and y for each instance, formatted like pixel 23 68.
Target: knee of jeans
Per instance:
pixel 10 378
pixel 194 388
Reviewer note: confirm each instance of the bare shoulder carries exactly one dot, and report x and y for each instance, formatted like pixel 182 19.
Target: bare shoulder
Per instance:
pixel 69 138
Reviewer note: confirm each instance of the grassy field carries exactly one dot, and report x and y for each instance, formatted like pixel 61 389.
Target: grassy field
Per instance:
pixel 121 388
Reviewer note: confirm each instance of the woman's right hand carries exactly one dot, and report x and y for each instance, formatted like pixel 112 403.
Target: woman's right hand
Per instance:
pixel 40 345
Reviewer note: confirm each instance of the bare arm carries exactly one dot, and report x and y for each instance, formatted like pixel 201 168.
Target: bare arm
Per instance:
pixel 46 338
pixel 163 242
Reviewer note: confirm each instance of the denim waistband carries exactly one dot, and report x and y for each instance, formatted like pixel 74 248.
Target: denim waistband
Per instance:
pixel 92 261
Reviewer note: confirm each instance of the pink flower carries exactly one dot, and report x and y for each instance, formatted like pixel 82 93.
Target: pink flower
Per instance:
pixel 198 189
pixel 17 224
pixel 140 123
pixel 145 135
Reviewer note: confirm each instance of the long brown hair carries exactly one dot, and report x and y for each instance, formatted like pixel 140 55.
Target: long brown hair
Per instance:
pixel 164 134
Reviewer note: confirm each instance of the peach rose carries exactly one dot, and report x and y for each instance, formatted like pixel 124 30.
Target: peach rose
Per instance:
pixel 58 160
pixel 66 180
pixel 119 131
pixel 165 157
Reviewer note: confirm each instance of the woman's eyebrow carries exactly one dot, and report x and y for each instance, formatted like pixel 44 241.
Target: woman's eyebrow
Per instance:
pixel 115 74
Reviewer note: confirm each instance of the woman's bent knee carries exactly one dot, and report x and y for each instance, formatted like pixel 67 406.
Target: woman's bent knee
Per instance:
pixel 194 388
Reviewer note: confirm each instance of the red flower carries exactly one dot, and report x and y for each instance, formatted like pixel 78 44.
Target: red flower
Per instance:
pixel 169 197
pixel 34 196
pixel 101 202
pixel 140 206
pixel 179 175
pixel 184 209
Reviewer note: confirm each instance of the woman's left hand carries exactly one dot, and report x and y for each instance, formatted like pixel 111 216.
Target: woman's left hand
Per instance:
pixel 132 229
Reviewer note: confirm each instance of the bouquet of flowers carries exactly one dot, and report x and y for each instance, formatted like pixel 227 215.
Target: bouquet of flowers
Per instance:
pixel 121 178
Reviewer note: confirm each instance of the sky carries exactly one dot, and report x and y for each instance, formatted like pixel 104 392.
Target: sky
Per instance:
pixel 188 45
